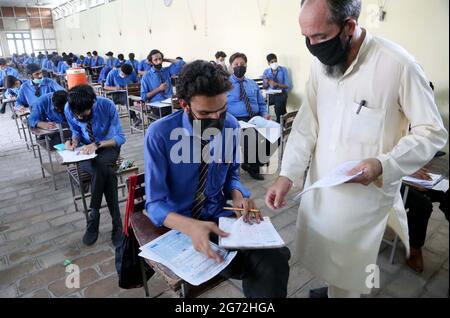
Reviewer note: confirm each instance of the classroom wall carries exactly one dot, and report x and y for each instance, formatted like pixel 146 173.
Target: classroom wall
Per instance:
pixel 234 25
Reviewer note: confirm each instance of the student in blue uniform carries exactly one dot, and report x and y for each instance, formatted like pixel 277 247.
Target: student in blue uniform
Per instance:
pixel 12 85
pixel 35 87
pixel 190 196
pixel 110 59
pixel 156 85
pixel 97 61
pixel 119 79
pixel 6 70
pixel 277 77
pixel 145 66
pixel 47 112
pixel 104 74
pixel 95 126
pixel 245 102
pixel 133 62
pixel 119 61
pixel 87 60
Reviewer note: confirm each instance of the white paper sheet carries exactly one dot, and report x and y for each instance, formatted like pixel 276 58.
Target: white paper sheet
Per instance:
pixel 175 251
pixel 269 129
pixel 337 177
pixel 429 184
pixel 442 186
pixel 69 156
pixel 249 236
pixel 167 101
pixel 159 104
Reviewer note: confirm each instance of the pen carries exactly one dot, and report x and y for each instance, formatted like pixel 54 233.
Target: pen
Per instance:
pixel 361 105
pixel 242 210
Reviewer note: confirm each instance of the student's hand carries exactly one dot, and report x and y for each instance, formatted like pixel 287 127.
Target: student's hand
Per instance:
pixel 199 233
pixel 89 149
pixel 268 117
pixel 70 145
pixel 422 174
pixel 273 83
pixel 21 109
pixel 275 196
pixel 239 202
pixel 163 87
pixel 372 170
pixel 44 125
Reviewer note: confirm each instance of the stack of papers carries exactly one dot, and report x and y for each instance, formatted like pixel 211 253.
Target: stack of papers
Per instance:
pixel 269 129
pixel 427 184
pixel 249 236
pixel 337 177
pixel 175 251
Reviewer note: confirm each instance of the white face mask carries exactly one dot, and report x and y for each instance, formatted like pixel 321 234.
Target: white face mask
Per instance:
pixel 274 66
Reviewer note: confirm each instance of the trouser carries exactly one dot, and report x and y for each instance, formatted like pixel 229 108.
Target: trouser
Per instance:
pixel 264 273
pixel 420 205
pixel 336 292
pixel 104 181
pixel 280 102
pixel 252 143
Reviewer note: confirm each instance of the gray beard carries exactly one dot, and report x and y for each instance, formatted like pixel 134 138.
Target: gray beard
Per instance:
pixel 336 71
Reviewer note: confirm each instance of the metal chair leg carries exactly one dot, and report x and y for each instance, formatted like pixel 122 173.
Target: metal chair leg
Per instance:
pixel 144 277
pixel 83 197
pixel 47 145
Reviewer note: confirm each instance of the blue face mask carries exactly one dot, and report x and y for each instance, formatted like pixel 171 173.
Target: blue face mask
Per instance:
pixel 37 81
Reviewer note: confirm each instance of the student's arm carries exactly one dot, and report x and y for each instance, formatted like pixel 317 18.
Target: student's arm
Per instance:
pixel 286 80
pixel 55 86
pixel 115 136
pixel 21 101
pixel 76 131
pixel 176 66
pixel 147 92
pixel 37 116
pixel 109 84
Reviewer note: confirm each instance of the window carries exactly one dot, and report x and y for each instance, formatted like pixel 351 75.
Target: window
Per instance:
pixel 19 42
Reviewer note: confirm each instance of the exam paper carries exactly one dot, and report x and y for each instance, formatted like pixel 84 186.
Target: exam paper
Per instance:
pixel 337 177
pixel 442 186
pixel 269 129
pixel 249 236
pixel 69 156
pixel 175 251
pixel 429 184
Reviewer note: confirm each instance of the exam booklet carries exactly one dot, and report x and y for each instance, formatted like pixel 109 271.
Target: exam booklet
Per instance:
pixel 175 251
pixel 269 129
pixel 249 236
pixel 69 156
pixel 428 184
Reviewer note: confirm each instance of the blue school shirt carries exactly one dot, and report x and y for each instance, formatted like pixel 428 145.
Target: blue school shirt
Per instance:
pixel 105 123
pixel 11 92
pixel 118 63
pixel 144 66
pixel 152 80
pixel 87 61
pixel 135 65
pixel 103 74
pixel 27 93
pixel 99 62
pixel 43 110
pixel 111 63
pixel 281 76
pixel 237 107
pixel 114 79
pixel 8 71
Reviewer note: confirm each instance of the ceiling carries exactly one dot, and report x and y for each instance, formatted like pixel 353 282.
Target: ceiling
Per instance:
pixel 32 3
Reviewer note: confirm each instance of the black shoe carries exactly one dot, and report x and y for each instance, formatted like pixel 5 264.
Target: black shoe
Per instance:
pixel 256 175
pixel 245 167
pixel 319 293
pixel 117 236
pixel 93 223
pixel 440 154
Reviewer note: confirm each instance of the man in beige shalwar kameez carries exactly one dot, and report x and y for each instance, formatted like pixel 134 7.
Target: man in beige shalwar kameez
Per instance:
pixel 367 99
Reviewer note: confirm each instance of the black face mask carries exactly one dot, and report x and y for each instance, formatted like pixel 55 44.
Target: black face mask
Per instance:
pixel 239 71
pixel 158 67
pixel 331 52
pixel 209 122
pixel 85 119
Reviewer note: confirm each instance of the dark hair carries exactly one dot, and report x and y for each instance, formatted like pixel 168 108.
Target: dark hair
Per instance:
pixel 202 78
pixel 238 55
pixel 10 81
pixel 88 53
pixel 341 10
pixel 154 52
pixel 94 53
pixel 2 61
pixel 33 68
pixel 131 56
pixel 81 98
pixel 271 57
pixel 109 53
pixel 220 54
pixel 127 69
pixel 69 61
pixel 59 99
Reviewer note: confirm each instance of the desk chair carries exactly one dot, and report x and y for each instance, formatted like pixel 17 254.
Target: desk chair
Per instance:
pixel 145 231
pixel 286 127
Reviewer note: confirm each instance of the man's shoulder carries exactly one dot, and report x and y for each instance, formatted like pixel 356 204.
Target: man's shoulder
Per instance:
pixel 393 50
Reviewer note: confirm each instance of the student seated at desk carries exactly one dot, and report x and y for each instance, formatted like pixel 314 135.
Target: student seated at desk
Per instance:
pixel 6 70
pixel 47 112
pixel 119 61
pixel 80 61
pixel 156 84
pixel 12 85
pixel 110 60
pixel 190 196
pixel 277 77
pixel 97 61
pixel 35 87
pixel 65 65
pixel 145 66
pixel 95 123
pixel 87 60
pixel 133 62
pixel 104 74
pixel 119 80
pixel 245 102
pixel 420 205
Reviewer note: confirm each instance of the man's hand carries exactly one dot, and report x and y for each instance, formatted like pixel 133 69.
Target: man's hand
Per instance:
pixel 372 169
pixel 44 125
pixel 275 196
pixel 70 145
pixel 163 87
pixel 422 174
pixel 273 83
pixel 268 117
pixel 239 202
pixel 199 233
pixel 89 149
